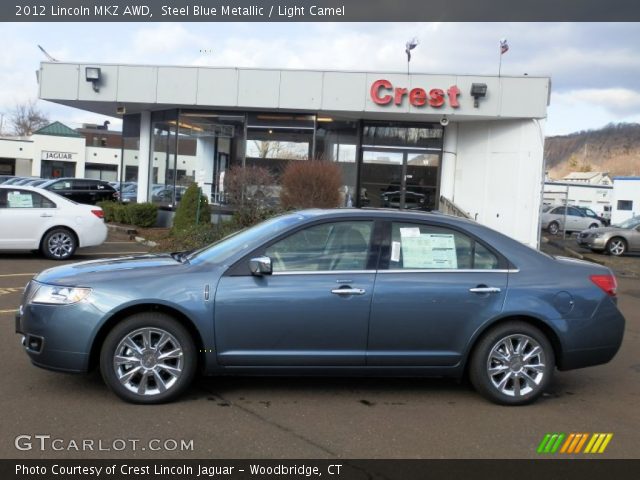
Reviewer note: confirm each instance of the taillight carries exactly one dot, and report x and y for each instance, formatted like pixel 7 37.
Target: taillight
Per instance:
pixel 98 213
pixel 607 283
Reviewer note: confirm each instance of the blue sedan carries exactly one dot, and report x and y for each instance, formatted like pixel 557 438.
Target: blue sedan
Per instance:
pixel 336 292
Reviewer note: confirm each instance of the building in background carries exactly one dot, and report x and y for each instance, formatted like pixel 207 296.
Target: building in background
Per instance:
pixel 626 198
pixel 588 178
pixel 474 143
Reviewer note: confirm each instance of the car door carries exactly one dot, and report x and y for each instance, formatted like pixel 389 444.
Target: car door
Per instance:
pixel 434 288
pixel 27 215
pixel 313 310
pixel 634 239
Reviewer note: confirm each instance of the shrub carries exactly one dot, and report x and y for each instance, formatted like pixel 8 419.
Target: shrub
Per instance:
pixel 142 214
pixel 311 184
pixel 188 210
pixel 195 237
pixel 108 209
pixel 252 192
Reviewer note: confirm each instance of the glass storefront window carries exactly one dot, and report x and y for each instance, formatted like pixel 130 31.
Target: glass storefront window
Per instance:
pixel 273 140
pixel 162 188
pixel 337 141
pixel 206 143
pixel 129 159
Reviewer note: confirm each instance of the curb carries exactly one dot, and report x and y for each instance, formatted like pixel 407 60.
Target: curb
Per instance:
pixel 144 241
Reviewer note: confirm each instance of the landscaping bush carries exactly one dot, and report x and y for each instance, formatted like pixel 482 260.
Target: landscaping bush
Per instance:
pixel 188 210
pixel 142 215
pixel 252 192
pixel 311 184
pixel 108 209
pixel 139 214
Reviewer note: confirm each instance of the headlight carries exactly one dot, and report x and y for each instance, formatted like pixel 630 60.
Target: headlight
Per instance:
pixel 597 235
pixel 58 295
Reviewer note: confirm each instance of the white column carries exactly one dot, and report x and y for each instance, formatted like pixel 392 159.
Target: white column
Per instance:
pixel 145 157
pixel 449 156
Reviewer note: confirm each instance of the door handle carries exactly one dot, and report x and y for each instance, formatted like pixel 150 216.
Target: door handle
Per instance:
pixel 348 291
pixel 46 214
pixel 484 289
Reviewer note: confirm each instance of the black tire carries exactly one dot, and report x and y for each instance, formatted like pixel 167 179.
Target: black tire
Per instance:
pixel 553 228
pixel 530 383
pixel 146 363
pixel 59 244
pixel 617 246
pixel 594 225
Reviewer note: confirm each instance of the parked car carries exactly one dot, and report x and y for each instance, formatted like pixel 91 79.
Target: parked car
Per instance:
pixel 25 180
pixel 4 178
pixel 81 190
pixel 347 291
pixel 553 220
pixel 591 214
pixel 41 220
pixel 35 182
pixel 13 180
pixel 615 240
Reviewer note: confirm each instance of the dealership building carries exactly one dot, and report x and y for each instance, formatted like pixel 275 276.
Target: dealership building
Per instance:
pixel 467 142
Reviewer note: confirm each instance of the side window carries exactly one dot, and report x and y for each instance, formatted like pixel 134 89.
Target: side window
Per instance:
pixel 329 246
pixel 24 199
pixel 418 246
pixel 575 212
pixel 81 185
pixel 558 211
pixel 62 185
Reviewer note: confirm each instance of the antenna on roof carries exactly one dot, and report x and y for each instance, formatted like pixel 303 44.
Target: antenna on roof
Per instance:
pixel 49 57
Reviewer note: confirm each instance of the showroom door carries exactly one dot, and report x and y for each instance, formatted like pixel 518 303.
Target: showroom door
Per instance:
pixel 399 178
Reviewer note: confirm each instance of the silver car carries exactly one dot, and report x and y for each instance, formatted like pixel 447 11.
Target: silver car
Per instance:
pixel 553 220
pixel 615 240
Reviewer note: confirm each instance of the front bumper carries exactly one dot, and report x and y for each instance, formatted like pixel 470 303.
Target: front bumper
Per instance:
pixel 57 337
pixel 589 241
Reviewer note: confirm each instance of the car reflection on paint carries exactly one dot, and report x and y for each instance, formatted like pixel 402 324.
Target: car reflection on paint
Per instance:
pixel 333 292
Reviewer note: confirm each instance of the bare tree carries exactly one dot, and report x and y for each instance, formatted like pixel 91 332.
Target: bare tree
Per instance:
pixel 26 118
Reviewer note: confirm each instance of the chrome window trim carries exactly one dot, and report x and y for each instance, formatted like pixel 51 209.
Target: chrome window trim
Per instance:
pixel 399 270
pixel 449 270
pixel 322 272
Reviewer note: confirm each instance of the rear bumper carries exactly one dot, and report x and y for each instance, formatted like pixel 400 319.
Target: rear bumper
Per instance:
pixel 595 340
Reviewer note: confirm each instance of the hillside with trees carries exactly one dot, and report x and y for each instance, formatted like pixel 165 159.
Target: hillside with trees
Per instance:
pixel 614 148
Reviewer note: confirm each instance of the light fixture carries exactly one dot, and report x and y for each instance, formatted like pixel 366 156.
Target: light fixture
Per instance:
pixel 325 119
pixel 93 75
pixel 478 90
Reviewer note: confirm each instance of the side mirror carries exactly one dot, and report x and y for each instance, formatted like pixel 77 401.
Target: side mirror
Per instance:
pixel 260 266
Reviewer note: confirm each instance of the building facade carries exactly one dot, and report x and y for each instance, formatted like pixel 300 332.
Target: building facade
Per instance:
pixel 402 141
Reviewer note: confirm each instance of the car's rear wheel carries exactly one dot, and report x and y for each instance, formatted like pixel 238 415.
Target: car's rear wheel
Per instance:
pixel 617 246
pixel 553 228
pixel 512 364
pixel 148 358
pixel 59 244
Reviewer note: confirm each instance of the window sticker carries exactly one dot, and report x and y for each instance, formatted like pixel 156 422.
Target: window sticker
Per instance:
pixel 395 251
pixel 412 232
pixel 429 250
pixel 19 200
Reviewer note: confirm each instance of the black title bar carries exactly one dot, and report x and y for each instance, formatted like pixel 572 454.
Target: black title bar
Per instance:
pixel 319 10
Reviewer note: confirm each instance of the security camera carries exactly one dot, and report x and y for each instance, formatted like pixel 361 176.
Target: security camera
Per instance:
pixel 444 121
pixel 121 110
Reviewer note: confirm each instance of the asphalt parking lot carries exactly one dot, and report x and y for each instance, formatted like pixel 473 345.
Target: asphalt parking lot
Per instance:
pixel 306 417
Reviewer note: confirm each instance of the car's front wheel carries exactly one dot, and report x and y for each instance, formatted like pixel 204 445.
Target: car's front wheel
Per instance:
pixel 148 358
pixel 553 228
pixel 59 244
pixel 616 246
pixel 512 364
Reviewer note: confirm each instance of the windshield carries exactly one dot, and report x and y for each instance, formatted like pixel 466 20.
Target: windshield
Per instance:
pixel 632 222
pixel 244 240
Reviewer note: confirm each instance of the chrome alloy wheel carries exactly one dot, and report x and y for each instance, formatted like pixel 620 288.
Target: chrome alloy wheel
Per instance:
pixel 148 361
pixel 516 365
pixel 60 245
pixel 617 246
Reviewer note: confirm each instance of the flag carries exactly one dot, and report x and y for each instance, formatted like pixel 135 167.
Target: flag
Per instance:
pixel 411 44
pixel 504 46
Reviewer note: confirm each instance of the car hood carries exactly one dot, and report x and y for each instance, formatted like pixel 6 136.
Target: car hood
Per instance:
pixel 606 230
pixel 115 269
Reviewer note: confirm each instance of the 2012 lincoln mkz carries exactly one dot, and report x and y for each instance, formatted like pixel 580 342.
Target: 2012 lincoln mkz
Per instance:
pixel 333 292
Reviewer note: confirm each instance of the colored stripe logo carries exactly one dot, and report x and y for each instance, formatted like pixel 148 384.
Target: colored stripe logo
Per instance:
pixel 574 443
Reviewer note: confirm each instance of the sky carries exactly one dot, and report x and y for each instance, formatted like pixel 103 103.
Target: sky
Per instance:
pixel 594 67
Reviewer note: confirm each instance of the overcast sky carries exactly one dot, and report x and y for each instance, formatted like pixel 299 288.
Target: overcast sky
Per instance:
pixel 595 67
